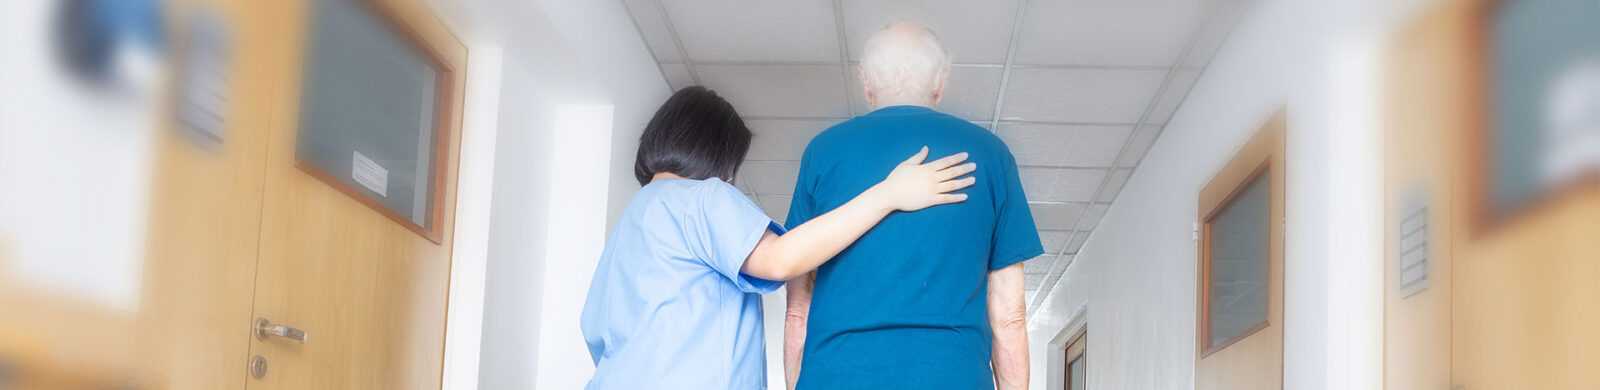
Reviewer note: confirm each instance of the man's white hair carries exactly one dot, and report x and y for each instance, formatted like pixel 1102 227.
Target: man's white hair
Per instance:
pixel 905 59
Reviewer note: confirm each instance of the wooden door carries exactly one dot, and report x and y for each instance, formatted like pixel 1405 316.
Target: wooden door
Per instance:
pixel 1077 363
pixel 206 214
pixel 1512 299
pixel 367 288
pixel 242 230
pixel 1251 358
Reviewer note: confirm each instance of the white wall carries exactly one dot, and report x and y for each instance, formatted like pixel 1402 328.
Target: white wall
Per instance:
pixel 75 165
pixel 575 77
pixel 576 224
pixel 1135 276
pixel 528 176
pixel 604 36
pixel 469 255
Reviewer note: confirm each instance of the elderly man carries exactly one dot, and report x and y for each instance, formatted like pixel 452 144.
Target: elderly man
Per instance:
pixel 926 300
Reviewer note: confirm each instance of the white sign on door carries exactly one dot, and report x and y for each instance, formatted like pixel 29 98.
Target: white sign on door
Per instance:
pixel 370 174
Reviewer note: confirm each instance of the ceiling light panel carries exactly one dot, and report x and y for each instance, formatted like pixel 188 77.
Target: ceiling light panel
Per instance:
pixel 783 139
pixel 1088 146
pixel 815 91
pixel 1047 184
pixel 1056 216
pixel 1107 32
pixel 768 31
pixel 770 177
pixel 1080 95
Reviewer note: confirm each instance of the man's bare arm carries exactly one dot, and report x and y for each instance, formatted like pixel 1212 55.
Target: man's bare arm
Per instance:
pixel 1008 318
pixel 794 325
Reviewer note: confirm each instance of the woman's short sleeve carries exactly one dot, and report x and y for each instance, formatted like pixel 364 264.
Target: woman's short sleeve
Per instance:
pixel 723 228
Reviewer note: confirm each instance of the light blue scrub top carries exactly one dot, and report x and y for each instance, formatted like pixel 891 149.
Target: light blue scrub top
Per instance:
pixel 668 308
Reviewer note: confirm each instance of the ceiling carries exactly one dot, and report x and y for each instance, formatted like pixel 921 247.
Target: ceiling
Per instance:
pixel 1078 89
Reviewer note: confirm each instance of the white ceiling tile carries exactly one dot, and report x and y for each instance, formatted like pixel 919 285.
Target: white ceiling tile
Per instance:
pixel 780 90
pixel 858 94
pixel 1172 95
pixel 742 184
pixel 1060 184
pixel 1080 95
pixel 975 31
pixel 770 177
pixel 678 76
pixel 1138 145
pixel 647 15
pixel 1107 32
pixel 1061 264
pixel 777 206
pixel 970 94
pixel 741 30
pixel 1064 145
pixel 1038 265
pixel 1092 216
pixel 783 139
pixel 1033 281
pixel 1056 216
pixel 1077 242
pixel 1054 240
pixel 1049 283
pixel 1114 185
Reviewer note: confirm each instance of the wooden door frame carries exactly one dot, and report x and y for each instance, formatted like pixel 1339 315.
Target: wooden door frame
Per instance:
pixel 1263 156
pixel 1081 341
pixel 1077 323
pixel 474 187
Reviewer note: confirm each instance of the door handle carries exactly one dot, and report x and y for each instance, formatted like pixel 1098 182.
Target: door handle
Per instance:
pixel 265 329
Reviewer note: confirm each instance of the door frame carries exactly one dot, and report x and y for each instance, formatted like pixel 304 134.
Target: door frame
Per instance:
pixel 1056 360
pixel 474 187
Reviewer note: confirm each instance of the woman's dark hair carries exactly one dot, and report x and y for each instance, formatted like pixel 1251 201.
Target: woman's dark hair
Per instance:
pixel 695 134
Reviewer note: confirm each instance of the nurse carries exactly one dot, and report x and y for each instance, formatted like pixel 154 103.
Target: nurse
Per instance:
pixel 675 301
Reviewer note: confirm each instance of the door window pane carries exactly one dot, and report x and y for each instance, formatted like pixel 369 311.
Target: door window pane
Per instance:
pixel 1546 85
pixel 369 109
pixel 1238 245
pixel 1075 374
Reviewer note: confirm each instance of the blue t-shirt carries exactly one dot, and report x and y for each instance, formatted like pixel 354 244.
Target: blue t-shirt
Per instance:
pixel 905 306
pixel 668 307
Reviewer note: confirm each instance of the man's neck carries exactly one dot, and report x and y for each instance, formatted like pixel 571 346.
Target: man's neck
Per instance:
pixel 881 103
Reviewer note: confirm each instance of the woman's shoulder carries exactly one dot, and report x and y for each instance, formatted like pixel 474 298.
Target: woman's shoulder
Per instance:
pixel 685 194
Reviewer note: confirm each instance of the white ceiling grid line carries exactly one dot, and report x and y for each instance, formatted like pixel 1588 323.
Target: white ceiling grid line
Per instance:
pixel 1011 59
pixel 677 42
pixel 1045 288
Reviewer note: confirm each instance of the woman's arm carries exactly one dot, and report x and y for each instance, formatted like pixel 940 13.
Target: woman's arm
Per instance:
pixel 911 186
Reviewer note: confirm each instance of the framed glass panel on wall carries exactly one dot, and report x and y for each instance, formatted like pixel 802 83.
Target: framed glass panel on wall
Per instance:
pixel 1543 79
pixel 1235 264
pixel 371 113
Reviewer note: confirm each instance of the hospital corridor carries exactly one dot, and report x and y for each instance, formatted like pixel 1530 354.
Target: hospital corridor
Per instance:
pixel 710 194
